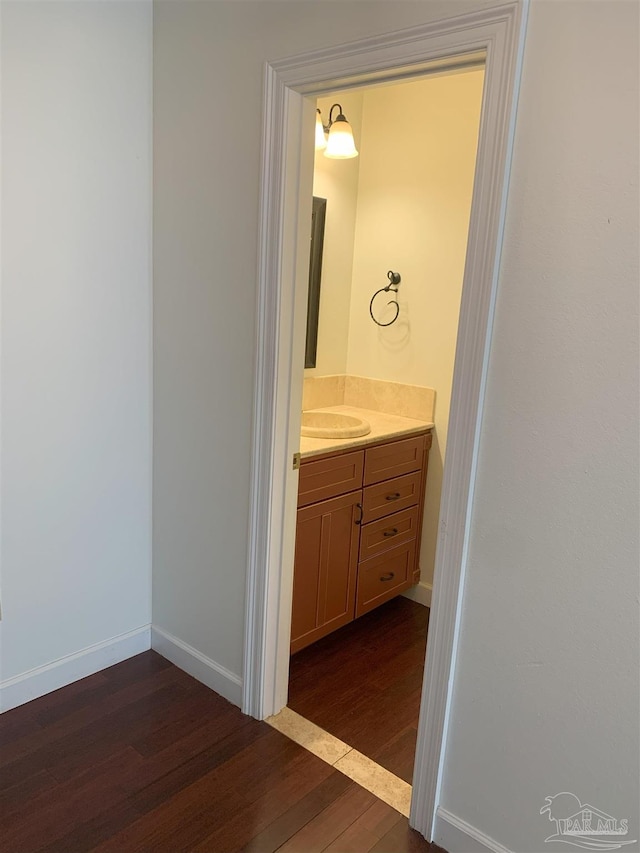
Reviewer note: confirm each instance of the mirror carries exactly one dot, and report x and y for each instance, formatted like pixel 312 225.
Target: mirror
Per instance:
pixel 315 274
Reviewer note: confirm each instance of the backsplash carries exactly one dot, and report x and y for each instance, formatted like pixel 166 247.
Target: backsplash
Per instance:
pixel 318 392
pixel 394 398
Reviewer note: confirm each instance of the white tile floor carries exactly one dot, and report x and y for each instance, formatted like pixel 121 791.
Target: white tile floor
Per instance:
pixel 385 785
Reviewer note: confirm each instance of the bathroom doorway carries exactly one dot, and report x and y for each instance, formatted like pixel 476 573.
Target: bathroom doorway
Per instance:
pixel 391 244
pixel 285 212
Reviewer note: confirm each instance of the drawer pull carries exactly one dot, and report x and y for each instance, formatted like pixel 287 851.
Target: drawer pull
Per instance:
pixel 388 577
pixel 392 532
pixel 393 497
pixel 359 520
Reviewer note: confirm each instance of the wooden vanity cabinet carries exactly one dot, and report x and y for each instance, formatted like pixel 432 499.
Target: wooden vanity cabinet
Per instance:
pixel 358 533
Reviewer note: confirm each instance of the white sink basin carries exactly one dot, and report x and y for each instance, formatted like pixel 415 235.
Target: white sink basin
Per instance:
pixel 333 425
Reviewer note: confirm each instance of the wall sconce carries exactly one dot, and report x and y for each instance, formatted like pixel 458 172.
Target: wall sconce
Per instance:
pixel 340 144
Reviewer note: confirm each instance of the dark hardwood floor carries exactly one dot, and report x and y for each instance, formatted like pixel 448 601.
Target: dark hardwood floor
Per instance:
pixel 362 683
pixel 141 757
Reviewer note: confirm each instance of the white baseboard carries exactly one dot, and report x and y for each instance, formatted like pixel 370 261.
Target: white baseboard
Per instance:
pixel 457 836
pixel 420 593
pixel 206 670
pixel 44 679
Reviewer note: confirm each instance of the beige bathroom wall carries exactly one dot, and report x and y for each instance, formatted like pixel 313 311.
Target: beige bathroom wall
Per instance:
pixel 337 181
pixel 417 163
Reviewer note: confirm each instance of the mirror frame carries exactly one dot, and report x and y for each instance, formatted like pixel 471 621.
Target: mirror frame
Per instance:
pixel 318 216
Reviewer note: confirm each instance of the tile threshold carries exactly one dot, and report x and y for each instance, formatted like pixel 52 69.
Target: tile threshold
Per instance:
pixel 379 781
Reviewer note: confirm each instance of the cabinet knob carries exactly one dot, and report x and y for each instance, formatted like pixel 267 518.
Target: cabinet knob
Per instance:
pixel 392 532
pixel 393 497
pixel 388 577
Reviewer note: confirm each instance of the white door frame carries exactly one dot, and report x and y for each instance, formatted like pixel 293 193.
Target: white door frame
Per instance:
pixel 287 173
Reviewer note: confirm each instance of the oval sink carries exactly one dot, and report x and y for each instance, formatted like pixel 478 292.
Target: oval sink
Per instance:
pixel 333 425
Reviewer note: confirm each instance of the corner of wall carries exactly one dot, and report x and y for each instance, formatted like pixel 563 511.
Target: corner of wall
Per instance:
pixel 209 672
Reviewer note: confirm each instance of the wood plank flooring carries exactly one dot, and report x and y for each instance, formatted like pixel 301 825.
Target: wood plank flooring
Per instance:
pixel 362 683
pixel 141 757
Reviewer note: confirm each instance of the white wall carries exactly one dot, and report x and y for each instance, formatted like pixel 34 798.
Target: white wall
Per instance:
pixel 546 695
pixel 76 289
pixel 337 181
pixel 419 143
pixel 546 691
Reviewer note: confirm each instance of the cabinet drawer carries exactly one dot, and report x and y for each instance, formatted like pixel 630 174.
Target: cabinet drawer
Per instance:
pixel 393 459
pixel 330 477
pixel 384 576
pixel 391 496
pixel 387 532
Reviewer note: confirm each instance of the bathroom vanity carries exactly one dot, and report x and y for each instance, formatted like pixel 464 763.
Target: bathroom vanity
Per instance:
pixel 358 531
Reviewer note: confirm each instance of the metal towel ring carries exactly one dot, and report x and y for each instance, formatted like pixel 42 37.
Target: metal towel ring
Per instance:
pixel 394 281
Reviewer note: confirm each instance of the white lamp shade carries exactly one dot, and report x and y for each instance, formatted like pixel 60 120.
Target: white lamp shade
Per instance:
pixel 340 145
pixel 321 139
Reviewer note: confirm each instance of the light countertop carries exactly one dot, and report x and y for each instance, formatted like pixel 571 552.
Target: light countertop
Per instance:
pixel 383 427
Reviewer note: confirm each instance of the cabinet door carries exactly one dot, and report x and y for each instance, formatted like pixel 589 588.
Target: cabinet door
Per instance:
pixel 326 562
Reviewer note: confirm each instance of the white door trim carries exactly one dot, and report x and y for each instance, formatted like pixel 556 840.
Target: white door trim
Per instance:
pixel 284 216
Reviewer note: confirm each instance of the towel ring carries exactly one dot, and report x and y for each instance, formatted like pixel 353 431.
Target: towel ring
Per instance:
pixel 394 281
